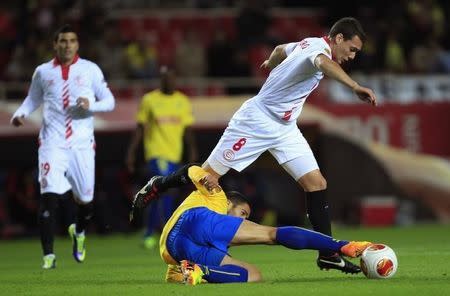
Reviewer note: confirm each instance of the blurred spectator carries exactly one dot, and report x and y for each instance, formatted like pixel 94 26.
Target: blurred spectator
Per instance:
pixel 111 53
pixel 141 57
pixel 190 56
pixel 427 17
pixel 43 15
pixel 22 45
pixel 17 69
pixel 240 67
pixel 443 65
pixel 8 31
pixel 219 55
pixel 26 57
pixel 93 16
pixel 252 23
pixel 425 57
pixel 394 56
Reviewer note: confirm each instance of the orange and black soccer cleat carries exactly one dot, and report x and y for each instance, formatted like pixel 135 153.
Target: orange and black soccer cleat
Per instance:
pixel 354 249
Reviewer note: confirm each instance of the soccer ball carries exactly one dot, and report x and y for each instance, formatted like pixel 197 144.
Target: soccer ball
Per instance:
pixel 379 262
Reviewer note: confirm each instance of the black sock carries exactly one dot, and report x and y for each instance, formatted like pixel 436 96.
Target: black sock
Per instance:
pixel 46 220
pixel 84 214
pixel 174 180
pixel 318 214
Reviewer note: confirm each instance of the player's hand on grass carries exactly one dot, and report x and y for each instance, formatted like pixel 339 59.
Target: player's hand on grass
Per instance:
pixel 17 121
pixel 83 103
pixel 365 94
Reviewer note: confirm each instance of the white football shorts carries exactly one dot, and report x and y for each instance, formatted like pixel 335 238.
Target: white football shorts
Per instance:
pixel 250 133
pixel 62 169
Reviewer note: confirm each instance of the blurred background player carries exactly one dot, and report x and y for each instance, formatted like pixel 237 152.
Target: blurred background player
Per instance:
pixel 70 89
pixel 197 236
pixel 268 121
pixel 163 123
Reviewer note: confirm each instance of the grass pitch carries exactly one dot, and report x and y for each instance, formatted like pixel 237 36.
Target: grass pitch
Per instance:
pixel 117 265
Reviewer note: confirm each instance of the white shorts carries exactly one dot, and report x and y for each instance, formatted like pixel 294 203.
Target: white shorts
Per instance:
pixel 250 133
pixel 62 169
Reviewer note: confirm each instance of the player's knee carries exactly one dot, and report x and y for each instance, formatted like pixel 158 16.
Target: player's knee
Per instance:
pixel 313 182
pixel 254 275
pixel 321 184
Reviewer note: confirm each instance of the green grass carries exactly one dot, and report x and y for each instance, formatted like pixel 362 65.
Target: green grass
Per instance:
pixel 116 265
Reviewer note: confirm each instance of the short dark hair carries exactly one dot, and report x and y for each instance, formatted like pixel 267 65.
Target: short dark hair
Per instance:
pixel 348 27
pixel 237 198
pixel 64 29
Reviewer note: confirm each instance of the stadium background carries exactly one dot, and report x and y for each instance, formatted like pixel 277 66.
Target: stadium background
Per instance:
pixel 385 166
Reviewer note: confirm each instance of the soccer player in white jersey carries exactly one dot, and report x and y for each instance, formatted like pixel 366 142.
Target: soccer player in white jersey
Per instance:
pixel 70 89
pixel 268 121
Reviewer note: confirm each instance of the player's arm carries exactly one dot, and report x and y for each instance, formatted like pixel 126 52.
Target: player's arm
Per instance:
pixel 334 70
pixel 33 100
pixel 204 182
pixel 136 139
pixel 105 101
pixel 277 56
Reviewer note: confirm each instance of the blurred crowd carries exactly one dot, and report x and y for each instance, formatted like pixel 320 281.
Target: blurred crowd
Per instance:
pixel 201 38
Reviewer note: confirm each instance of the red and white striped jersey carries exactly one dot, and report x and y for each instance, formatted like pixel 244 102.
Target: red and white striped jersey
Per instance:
pixel 58 87
pixel 289 84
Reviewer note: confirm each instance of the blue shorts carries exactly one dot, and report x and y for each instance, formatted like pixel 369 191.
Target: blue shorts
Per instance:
pixel 159 166
pixel 202 236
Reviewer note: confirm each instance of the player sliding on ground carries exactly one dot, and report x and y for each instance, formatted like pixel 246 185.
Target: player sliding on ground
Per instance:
pixel 196 238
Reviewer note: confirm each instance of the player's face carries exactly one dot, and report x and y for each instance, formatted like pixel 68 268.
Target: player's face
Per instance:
pixel 66 47
pixel 240 210
pixel 346 49
pixel 168 80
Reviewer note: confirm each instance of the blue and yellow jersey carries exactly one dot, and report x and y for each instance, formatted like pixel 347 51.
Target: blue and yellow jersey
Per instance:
pixel 216 202
pixel 164 118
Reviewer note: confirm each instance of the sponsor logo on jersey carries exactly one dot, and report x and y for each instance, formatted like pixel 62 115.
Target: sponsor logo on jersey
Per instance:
pixel 228 154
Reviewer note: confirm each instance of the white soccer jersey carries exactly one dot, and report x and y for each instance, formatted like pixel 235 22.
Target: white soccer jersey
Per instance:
pixel 58 87
pixel 289 84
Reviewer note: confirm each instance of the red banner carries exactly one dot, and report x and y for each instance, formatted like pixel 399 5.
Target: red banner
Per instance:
pixel 418 127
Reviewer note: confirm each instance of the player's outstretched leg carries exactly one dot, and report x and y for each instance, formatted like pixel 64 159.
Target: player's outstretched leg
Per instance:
pixel 157 185
pixel 194 274
pixel 298 238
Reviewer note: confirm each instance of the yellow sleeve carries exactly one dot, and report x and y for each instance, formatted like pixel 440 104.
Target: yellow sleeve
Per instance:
pixel 196 173
pixel 188 117
pixel 143 114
